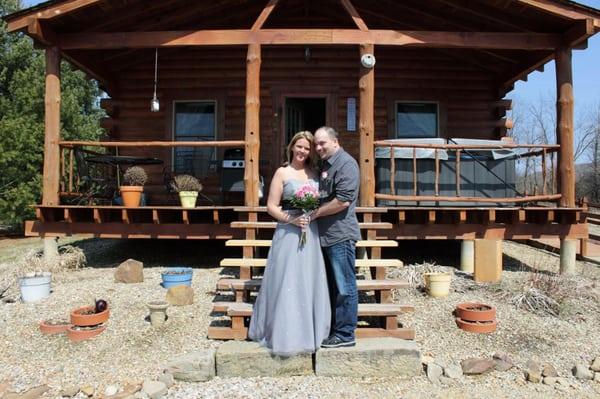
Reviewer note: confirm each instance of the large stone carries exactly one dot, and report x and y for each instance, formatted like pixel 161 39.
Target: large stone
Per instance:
pixel 249 359
pixel 582 372
pixel 477 366
pixel 130 271
pixel 434 372
pixel 453 371
pixel 503 361
pixel 373 357
pixel 196 366
pixel 154 389
pixel 596 364
pixel 533 372
pixel 549 371
pixel 180 295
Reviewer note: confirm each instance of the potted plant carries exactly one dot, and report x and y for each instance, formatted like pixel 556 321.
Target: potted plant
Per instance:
pixel 177 276
pixel 188 188
pixel 135 177
pixel 437 283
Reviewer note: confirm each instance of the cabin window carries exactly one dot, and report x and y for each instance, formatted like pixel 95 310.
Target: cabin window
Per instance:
pixel 416 120
pixel 194 121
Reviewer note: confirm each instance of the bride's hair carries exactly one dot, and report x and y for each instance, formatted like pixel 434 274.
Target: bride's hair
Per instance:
pixel 306 135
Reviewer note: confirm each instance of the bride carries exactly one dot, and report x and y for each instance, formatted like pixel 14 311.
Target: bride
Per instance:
pixel 292 314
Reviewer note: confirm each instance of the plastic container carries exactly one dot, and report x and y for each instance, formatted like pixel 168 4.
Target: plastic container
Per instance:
pixel 438 284
pixel 177 276
pixel 34 289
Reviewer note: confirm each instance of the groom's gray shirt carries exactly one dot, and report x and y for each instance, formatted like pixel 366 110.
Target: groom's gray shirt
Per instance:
pixel 339 178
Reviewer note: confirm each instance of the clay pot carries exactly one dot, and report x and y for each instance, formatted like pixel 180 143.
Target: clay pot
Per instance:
pixel 78 318
pixel 75 333
pixel 53 327
pixel 481 327
pixel 158 312
pixel 437 283
pixel 131 195
pixel 474 311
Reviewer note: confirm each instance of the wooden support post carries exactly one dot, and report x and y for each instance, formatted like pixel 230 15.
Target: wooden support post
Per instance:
pixel 488 260
pixel 366 85
pixel 51 172
pixel 564 127
pixel 252 139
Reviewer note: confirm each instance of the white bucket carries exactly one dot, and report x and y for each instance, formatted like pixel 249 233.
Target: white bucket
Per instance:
pixel 34 289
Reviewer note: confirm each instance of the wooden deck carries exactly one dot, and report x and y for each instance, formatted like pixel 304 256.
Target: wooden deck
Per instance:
pixel 223 222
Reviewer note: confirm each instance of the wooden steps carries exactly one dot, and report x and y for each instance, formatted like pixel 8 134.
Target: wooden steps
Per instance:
pixel 236 284
pixel 272 225
pixel 386 313
pixel 244 309
pixel 382 317
pixel 262 262
pixel 267 243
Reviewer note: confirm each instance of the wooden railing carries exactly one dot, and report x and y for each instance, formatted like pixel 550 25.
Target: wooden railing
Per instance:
pixel 69 183
pixel 543 150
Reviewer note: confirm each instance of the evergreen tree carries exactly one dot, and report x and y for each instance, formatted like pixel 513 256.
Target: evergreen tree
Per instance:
pixel 22 119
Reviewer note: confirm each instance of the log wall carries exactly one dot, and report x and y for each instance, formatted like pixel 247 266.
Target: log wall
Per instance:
pixel 466 95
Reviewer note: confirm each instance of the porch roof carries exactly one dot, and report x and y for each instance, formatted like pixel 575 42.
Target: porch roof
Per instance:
pixel 554 22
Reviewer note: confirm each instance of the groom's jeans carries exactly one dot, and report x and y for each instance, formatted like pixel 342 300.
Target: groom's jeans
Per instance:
pixel 340 262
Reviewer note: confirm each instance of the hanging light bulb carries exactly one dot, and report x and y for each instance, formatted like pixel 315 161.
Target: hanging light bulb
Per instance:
pixel 154 104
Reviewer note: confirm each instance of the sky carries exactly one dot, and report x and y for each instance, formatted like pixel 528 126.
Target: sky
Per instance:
pixel 586 73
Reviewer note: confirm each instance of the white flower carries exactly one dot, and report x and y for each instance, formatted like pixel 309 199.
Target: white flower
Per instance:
pixel 324 174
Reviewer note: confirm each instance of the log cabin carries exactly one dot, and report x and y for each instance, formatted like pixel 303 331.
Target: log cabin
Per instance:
pixel 415 89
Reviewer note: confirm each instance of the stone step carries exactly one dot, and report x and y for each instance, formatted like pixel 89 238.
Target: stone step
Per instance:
pixel 272 225
pixel 267 243
pixel 372 357
pixel 262 262
pixel 364 309
pixel 363 285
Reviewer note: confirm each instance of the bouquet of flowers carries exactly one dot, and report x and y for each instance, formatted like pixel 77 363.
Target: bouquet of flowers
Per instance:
pixel 306 199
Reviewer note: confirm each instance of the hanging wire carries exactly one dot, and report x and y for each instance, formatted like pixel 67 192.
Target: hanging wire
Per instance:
pixel 155 70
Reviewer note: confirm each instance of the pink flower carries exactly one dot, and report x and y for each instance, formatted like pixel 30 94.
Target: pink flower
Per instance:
pixel 324 175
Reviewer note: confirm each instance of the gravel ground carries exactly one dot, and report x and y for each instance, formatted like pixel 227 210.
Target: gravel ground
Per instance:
pixel 130 350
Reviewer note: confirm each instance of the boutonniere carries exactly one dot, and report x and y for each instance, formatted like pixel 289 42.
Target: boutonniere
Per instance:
pixel 324 175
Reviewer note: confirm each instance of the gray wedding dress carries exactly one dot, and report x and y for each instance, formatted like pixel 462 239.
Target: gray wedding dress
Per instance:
pixel 292 314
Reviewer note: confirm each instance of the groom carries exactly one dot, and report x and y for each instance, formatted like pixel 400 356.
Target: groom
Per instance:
pixel 339 231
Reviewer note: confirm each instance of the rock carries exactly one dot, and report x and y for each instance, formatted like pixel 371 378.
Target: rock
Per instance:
pixel 549 371
pixel 374 357
pixel 476 366
pixel 111 390
pixel 168 379
pixel 68 392
pixel 562 381
pixel 196 366
pixel 427 359
pixel 581 371
pixel 33 393
pixel 434 372
pixel 87 390
pixel 597 377
pixel 249 359
pixel 154 389
pixel 453 371
pixel 549 380
pixel 180 295
pixel 596 364
pixel 533 371
pixel 445 380
pixel 130 271
pixel 503 361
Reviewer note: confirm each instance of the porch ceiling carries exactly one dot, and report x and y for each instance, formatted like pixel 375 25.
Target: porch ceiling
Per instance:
pixel 80 16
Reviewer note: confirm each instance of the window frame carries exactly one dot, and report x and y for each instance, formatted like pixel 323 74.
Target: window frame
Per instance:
pixel 174 121
pixel 437 117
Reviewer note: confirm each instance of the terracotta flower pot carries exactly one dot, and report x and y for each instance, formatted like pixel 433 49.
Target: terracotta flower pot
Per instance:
pixel 76 333
pixel 83 317
pixel 481 327
pixel 53 326
pixel 474 311
pixel 131 195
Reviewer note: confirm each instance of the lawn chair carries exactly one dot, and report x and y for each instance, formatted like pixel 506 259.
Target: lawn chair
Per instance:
pixel 94 184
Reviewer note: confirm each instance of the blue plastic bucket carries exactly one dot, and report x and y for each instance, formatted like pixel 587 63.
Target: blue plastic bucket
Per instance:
pixel 177 276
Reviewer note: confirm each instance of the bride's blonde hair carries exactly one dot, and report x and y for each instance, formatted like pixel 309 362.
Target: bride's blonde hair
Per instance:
pixel 308 136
